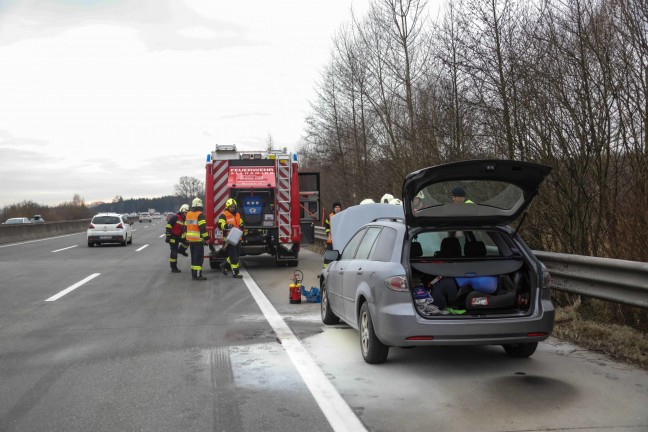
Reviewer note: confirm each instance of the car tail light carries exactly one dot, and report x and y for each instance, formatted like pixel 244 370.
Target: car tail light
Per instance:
pixel 397 283
pixel 120 226
pixel 91 226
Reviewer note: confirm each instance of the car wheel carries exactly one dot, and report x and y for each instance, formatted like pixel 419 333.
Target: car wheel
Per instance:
pixel 328 317
pixel 521 350
pixel 125 242
pixel 373 351
pixel 130 241
pixel 90 244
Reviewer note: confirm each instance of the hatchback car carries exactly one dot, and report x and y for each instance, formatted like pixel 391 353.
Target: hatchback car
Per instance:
pixel 109 228
pixel 145 217
pixel 441 270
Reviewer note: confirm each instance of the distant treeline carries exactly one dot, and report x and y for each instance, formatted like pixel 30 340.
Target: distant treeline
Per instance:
pixel 78 209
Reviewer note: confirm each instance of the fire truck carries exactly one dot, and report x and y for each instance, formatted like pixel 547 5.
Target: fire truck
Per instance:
pixel 266 187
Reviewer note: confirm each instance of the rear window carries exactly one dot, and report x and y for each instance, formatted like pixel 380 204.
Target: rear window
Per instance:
pixel 473 243
pixel 106 220
pixel 498 195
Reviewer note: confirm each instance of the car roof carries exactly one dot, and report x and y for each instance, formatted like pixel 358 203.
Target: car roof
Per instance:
pixel 108 214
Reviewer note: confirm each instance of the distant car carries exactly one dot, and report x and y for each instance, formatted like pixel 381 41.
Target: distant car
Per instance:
pixel 145 217
pixel 37 219
pixel 109 228
pixel 157 215
pixel 16 221
pixel 439 270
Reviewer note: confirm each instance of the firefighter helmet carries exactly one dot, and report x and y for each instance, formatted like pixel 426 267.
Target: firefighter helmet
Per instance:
pixel 184 208
pixel 230 202
pixel 197 202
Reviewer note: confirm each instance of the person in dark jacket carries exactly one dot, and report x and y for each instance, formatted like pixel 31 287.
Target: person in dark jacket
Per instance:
pixel 175 237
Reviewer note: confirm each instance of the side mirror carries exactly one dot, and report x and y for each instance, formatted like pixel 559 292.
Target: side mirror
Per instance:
pixel 331 255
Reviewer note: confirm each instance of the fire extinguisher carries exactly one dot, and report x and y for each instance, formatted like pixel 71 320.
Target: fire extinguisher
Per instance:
pixel 295 287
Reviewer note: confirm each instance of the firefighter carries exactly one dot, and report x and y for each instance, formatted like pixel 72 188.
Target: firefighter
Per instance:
pixel 230 218
pixel 175 236
pixel 196 235
pixel 337 208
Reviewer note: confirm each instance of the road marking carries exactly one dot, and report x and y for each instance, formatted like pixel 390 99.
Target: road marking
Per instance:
pixel 162 235
pixel 73 287
pixel 338 413
pixel 39 240
pixel 143 247
pixel 69 247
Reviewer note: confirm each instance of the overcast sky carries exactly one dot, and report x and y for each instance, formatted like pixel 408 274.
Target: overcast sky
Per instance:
pixel 123 97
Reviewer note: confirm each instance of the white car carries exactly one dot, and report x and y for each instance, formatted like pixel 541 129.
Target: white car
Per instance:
pixel 145 217
pixel 109 228
pixel 16 221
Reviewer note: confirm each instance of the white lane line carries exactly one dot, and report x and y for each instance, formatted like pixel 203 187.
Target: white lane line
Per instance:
pixel 73 287
pixel 338 413
pixel 39 240
pixel 143 247
pixel 162 235
pixel 69 247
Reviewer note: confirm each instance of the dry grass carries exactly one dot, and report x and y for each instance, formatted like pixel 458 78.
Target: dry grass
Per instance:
pixel 595 326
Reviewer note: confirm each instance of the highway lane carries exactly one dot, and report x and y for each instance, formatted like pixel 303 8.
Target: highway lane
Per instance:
pixel 139 348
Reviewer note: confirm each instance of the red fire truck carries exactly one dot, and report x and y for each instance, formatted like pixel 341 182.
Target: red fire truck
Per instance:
pixel 266 187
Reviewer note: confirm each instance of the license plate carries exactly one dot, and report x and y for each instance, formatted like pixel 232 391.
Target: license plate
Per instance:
pixel 105 237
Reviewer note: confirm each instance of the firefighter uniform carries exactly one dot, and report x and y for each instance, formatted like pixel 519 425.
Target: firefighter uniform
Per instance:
pixel 227 220
pixel 196 235
pixel 175 236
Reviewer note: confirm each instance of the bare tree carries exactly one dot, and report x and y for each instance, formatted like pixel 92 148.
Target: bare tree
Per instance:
pixel 189 187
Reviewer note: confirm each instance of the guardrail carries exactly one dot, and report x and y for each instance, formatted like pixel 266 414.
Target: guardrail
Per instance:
pixel 22 232
pixel 618 281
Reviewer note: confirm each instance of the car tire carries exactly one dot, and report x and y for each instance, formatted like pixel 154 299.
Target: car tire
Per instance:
pixel 522 350
pixel 90 244
pixel 328 317
pixel 130 241
pixel 373 351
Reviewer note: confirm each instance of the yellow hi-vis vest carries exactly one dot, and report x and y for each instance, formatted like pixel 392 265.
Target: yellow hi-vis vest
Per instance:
pixel 193 226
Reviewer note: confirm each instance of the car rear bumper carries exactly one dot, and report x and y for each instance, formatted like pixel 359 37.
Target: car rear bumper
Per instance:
pixel 400 325
pixel 107 238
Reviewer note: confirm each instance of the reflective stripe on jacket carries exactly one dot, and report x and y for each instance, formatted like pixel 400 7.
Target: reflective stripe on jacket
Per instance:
pixel 196 227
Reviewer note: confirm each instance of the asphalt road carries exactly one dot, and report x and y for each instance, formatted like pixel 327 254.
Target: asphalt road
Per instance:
pixel 136 347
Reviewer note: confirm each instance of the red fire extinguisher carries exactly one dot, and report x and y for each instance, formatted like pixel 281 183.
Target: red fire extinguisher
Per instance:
pixel 295 287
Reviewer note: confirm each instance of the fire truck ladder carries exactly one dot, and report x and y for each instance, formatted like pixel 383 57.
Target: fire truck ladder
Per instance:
pixel 284 175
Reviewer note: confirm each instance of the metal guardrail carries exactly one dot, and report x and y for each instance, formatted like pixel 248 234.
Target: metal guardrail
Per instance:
pixel 618 281
pixel 609 279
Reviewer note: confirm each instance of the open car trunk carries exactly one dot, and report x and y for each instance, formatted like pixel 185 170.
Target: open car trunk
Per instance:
pixel 469 273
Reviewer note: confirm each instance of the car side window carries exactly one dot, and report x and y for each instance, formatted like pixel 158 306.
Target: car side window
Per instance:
pixel 367 243
pixel 384 246
pixel 352 246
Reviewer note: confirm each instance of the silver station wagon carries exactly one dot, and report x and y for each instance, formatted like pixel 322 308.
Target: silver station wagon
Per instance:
pixel 445 268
